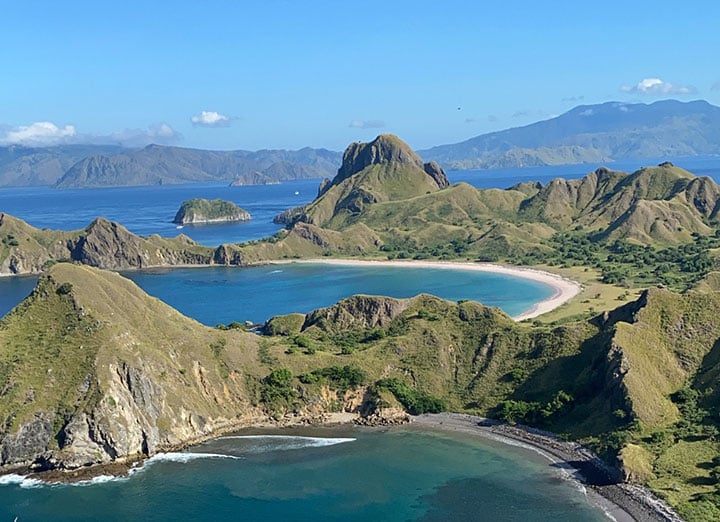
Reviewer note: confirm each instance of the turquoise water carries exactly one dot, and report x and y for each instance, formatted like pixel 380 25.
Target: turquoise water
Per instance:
pixel 215 295
pixel 225 294
pixel 348 475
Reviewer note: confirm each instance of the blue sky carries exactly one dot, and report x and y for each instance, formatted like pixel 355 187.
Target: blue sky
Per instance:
pixel 282 74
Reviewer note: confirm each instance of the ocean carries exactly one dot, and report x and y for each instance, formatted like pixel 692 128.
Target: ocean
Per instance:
pixel 150 210
pixel 343 474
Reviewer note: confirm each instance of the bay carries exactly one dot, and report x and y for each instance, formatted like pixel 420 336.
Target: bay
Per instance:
pixel 346 474
pixel 215 295
pixel 225 294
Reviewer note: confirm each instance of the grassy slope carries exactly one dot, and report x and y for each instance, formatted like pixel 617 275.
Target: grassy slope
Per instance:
pixel 81 323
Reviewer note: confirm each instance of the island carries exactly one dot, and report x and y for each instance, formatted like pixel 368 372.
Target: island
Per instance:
pixel 202 211
pixel 628 368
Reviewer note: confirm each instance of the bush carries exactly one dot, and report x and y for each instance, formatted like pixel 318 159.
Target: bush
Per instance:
pixel 415 402
pixel 343 377
pixel 277 391
pixel 64 289
pixel 302 341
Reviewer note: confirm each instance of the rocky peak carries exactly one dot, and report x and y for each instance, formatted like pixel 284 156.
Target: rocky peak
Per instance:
pixel 386 148
pixel 434 170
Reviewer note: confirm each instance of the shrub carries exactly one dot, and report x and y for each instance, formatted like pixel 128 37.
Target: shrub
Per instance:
pixel 413 401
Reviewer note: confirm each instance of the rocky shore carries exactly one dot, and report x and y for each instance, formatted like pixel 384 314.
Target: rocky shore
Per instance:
pixel 622 501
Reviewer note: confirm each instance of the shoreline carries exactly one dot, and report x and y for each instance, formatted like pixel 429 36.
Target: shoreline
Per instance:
pixel 622 502
pixel 563 289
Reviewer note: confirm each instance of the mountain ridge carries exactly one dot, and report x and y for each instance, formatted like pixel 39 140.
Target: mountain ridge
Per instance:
pixel 78 166
pixel 593 133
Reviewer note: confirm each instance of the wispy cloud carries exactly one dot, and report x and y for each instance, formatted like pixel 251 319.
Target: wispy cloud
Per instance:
pixel 367 124
pixel 38 133
pixel 715 86
pixel 211 119
pixel 492 118
pixel 470 120
pixel 573 99
pixel 161 133
pixel 45 133
pixel 656 86
pixel 520 114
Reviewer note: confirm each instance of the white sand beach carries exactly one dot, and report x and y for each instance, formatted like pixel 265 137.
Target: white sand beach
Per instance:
pixel 565 289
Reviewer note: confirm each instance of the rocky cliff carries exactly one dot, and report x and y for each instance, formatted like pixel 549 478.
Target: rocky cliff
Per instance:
pixel 122 376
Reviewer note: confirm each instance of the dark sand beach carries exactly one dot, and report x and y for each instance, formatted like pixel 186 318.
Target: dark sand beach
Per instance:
pixel 621 501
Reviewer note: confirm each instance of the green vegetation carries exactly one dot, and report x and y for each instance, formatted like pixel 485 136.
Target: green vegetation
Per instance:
pixel 200 210
pixel 277 392
pixel 413 401
pixel 341 377
pixel 629 264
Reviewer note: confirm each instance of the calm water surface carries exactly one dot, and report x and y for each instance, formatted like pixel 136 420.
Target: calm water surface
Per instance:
pixel 351 475
pixel 215 295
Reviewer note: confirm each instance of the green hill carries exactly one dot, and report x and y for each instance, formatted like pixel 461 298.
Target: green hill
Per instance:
pixel 92 370
pixel 25 249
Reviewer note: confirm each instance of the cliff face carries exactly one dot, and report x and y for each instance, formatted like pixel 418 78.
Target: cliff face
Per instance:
pixel 127 376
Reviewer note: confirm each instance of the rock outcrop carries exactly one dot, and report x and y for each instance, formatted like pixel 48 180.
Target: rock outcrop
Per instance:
pixel 386 148
pixel 386 169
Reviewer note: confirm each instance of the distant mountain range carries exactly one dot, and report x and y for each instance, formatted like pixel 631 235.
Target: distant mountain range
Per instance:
pixel 102 166
pixel 593 134
pixel 35 166
pixel 586 134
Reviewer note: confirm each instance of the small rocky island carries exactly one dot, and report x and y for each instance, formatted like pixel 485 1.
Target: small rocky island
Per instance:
pixel 201 211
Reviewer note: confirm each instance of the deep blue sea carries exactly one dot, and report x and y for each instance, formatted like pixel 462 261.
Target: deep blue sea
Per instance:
pixel 150 210
pixel 344 475
pixel 347 475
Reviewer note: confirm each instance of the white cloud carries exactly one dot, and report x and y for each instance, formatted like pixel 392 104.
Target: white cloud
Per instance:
pixel 38 133
pixel 210 119
pixel 367 124
pixel 45 133
pixel 656 86
pixel 161 133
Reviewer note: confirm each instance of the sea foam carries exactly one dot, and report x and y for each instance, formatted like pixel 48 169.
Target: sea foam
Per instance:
pixel 286 442
pixel 20 480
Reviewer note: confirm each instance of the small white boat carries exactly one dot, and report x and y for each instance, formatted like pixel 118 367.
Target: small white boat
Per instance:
pixel 297 193
pixel 179 227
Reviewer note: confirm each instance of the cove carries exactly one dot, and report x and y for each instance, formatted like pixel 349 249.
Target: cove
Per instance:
pixel 342 474
pixel 224 294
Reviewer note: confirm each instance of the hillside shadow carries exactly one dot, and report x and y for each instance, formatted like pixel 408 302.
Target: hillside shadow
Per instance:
pixel 590 377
